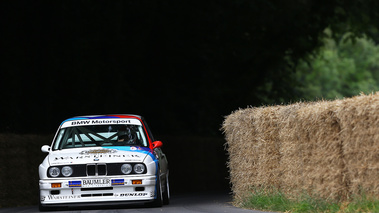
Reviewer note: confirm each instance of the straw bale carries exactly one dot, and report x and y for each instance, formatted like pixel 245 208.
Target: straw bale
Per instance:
pixel 325 148
pixel 291 150
pixel 323 167
pixel 20 156
pixel 241 164
pixel 360 122
pixel 267 129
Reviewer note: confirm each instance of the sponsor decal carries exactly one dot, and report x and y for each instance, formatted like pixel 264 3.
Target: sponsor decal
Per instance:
pixel 140 150
pixel 134 194
pixel 96 183
pixel 95 158
pixel 112 121
pixel 62 197
pixel 98 151
pixel 106 152
pixel 60 163
pixel 75 183
pixel 73 123
pixel 64 158
pixel 116 182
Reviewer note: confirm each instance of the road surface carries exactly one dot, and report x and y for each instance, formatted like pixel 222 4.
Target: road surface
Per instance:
pixel 208 202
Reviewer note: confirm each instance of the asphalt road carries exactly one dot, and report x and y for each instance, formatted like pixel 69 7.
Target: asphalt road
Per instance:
pixel 208 202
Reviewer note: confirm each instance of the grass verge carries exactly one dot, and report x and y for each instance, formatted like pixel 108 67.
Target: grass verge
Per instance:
pixel 275 200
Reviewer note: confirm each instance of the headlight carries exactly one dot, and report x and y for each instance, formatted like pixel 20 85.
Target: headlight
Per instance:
pixel 139 168
pixel 67 171
pixel 54 171
pixel 126 169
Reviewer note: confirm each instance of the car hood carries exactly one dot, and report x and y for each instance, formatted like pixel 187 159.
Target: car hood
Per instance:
pixel 114 154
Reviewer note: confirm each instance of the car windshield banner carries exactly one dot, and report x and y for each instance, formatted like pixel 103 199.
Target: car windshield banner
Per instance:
pixel 88 122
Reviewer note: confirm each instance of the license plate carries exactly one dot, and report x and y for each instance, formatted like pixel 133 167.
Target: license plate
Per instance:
pixel 96 183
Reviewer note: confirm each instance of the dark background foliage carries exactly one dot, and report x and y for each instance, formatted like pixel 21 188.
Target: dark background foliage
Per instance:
pixel 182 64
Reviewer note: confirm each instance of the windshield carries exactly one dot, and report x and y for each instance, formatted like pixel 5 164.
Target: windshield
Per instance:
pixel 100 135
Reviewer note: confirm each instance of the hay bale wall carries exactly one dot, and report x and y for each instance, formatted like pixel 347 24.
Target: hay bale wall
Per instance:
pixel 327 148
pixel 20 156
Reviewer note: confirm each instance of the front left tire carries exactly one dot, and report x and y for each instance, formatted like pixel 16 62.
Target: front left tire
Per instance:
pixel 158 202
pixel 166 193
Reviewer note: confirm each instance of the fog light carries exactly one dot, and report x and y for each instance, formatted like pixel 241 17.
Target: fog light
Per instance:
pixel 137 181
pixel 55 192
pixel 139 189
pixel 56 185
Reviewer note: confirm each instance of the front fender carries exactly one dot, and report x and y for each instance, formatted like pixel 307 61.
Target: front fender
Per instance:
pixel 42 169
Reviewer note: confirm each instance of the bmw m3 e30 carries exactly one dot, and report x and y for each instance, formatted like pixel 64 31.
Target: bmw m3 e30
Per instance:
pixel 103 159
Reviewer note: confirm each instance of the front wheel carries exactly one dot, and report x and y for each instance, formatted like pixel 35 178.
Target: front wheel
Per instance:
pixel 166 193
pixel 158 202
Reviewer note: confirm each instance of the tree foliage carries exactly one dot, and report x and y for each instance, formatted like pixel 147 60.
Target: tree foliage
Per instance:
pixel 341 68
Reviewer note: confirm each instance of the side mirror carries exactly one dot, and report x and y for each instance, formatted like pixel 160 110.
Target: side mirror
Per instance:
pixel 157 144
pixel 45 148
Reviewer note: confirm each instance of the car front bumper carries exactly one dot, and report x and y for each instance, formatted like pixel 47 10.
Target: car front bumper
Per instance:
pixel 59 192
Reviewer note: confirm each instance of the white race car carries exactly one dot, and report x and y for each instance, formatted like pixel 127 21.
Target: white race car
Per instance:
pixel 103 159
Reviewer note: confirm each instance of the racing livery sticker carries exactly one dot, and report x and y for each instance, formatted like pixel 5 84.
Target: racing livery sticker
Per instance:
pixel 75 183
pixel 62 197
pixel 116 182
pixel 97 151
pixel 133 194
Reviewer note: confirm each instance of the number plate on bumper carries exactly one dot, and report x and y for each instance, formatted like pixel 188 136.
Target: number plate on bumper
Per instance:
pixel 96 183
